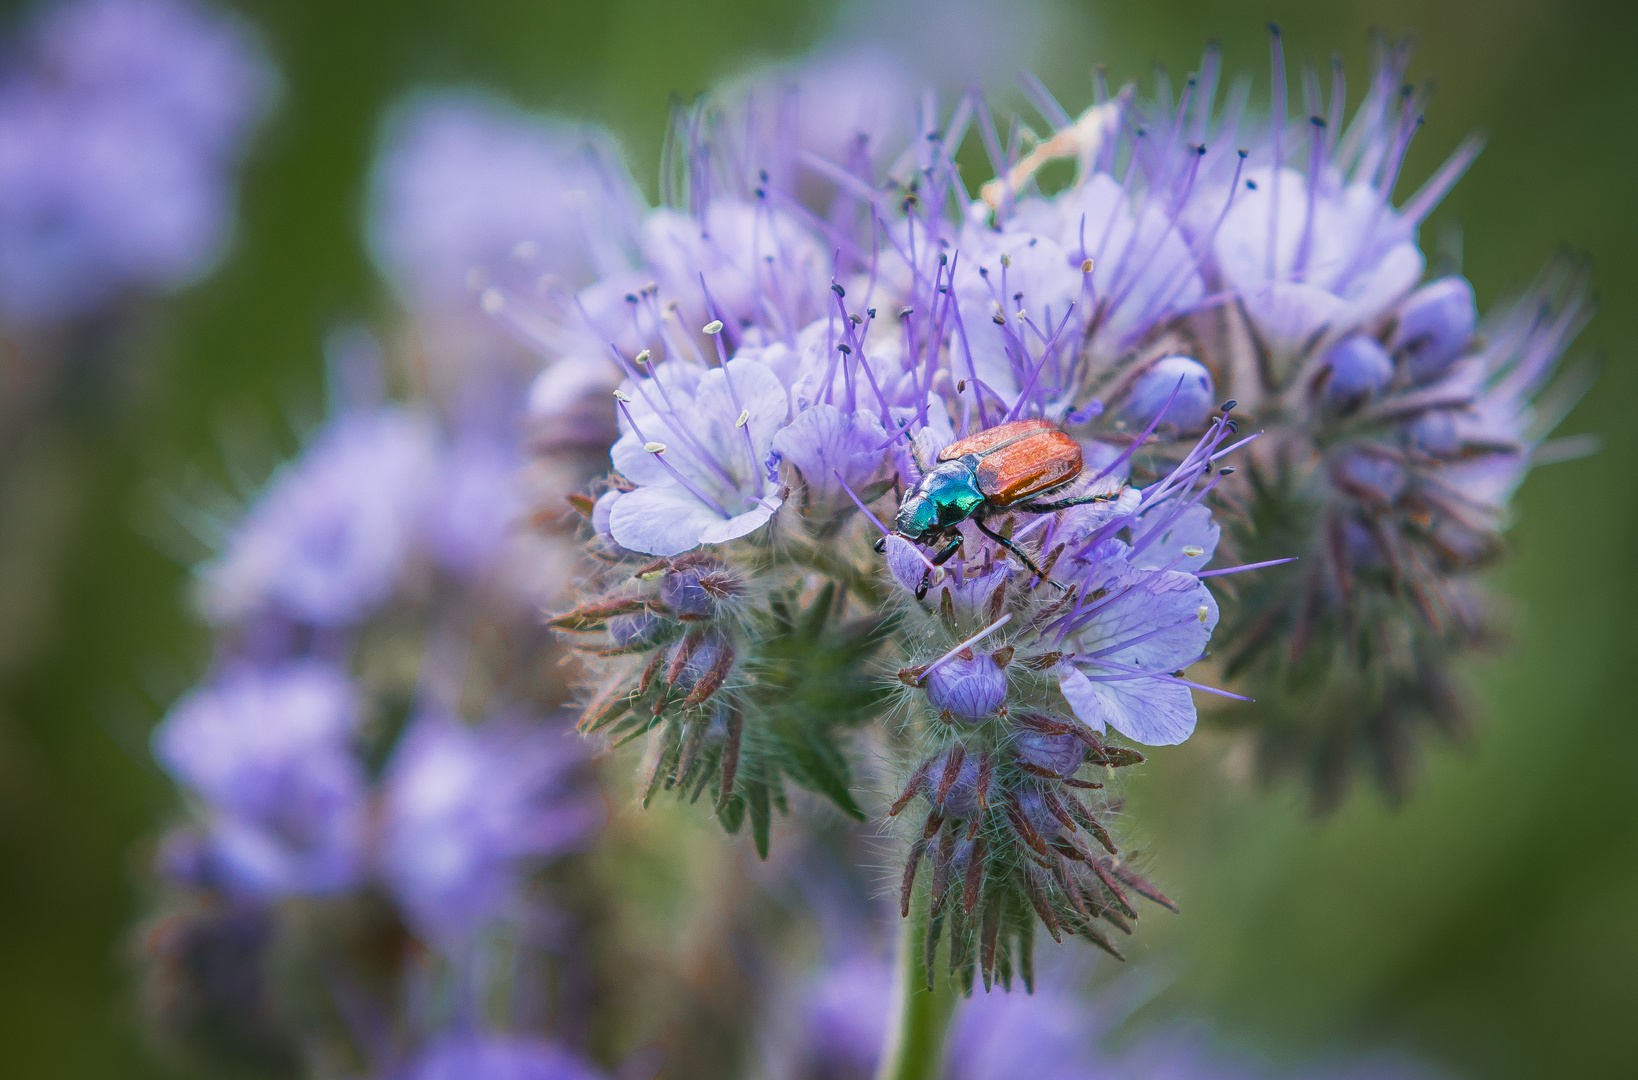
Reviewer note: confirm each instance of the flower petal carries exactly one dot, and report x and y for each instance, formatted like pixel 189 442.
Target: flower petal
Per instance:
pixel 660 520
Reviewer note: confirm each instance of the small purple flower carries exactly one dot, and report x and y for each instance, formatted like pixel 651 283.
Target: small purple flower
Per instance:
pixel 200 69
pixel 1151 624
pixel 741 262
pixel 830 449
pixel 267 753
pixel 497 1057
pixel 466 812
pixel 325 543
pixel 697 443
pixel 466 190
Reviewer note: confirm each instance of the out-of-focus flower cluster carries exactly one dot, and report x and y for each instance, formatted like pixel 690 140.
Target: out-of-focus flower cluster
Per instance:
pixel 380 778
pixel 122 124
pixel 364 759
pixel 1398 422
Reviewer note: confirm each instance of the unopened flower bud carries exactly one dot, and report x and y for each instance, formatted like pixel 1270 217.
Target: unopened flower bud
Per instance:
pixel 1059 755
pixel 966 793
pixel 634 629
pixel 697 661
pixel 1359 368
pixel 1435 325
pixel 1033 805
pixel 1195 395
pixel 1434 433
pixel 967 689
pixel 694 592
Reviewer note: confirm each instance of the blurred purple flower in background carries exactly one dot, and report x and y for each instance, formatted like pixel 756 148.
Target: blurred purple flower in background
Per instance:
pixel 497 1057
pixel 327 541
pixel 466 811
pixel 465 187
pixel 833 1024
pixel 269 754
pixel 122 123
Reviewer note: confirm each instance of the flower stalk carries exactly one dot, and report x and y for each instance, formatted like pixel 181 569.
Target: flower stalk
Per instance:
pixel 914 1049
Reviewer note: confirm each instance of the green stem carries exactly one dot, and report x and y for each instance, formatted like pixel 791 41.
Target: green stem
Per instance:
pixel 915 1038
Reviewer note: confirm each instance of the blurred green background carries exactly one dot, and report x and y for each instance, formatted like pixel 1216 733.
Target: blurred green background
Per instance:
pixel 1491 925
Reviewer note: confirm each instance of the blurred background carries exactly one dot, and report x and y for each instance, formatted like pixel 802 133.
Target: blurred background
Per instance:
pixel 1485 926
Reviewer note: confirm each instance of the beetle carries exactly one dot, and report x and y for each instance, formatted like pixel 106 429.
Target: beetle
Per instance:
pixel 1006 467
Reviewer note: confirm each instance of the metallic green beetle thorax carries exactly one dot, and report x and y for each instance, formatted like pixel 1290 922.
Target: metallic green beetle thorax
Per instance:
pixel 945 497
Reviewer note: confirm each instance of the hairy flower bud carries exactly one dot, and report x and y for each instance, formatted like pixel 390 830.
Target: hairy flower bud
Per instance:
pixel 969 688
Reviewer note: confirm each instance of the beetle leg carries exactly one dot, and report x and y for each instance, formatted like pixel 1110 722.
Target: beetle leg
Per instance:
pixel 1009 545
pixel 938 560
pixel 1063 504
pixel 944 556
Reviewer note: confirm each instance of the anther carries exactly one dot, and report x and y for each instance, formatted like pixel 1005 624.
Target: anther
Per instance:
pixel 1086 266
pixel 621 395
pixel 712 328
pixel 837 289
pixel 745 418
pixel 654 447
pixel 1229 405
pixel 1193 551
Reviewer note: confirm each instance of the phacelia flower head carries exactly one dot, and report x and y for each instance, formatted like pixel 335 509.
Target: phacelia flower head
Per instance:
pixel 121 124
pixel 267 753
pixel 466 811
pixel 751 442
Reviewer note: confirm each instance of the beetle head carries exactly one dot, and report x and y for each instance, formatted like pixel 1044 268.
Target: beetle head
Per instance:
pixel 917 519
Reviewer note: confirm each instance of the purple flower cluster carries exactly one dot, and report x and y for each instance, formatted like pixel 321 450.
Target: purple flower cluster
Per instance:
pixel 339 754
pixel 121 125
pixel 376 507
pixel 789 360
